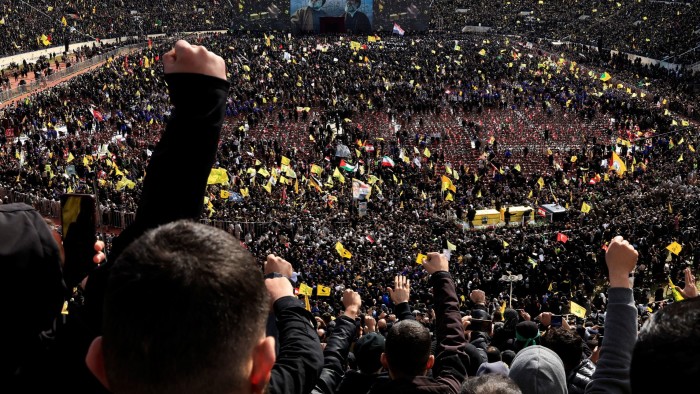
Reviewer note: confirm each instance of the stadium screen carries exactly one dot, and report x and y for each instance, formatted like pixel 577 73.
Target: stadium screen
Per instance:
pixel 276 15
pixel 325 16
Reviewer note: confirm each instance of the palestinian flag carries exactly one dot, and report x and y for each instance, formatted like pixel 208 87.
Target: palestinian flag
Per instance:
pixel 346 166
pixel 387 162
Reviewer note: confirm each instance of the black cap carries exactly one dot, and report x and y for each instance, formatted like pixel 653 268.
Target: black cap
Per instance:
pixel 368 351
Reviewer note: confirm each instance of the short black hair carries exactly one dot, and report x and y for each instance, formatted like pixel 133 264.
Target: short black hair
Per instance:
pixel 667 345
pixel 566 343
pixel 407 348
pixel 184 306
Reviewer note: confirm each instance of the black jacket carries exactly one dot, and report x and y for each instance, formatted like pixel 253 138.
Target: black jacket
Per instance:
pixel 449 370
pixel 335 355
pixel 193 131
pixel 300 359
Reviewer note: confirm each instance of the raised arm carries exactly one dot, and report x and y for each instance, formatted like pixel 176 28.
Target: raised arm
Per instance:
pixel 400 295
pixel 338 345
pixel 450 355
pixel 174 186
pixel 300 358
pixel 177 172
pixel 612 374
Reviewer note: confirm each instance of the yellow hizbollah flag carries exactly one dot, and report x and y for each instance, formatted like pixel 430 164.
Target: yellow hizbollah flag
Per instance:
pixel 585 208
pixel 617 162
pixel 268 187
pixel 529 195
pixel 675 247
pixel 355 45
pixel 315 169
pixel 421 258
pixel 264 172
pixel 448 185
pixel 505 244
pixel 314 183
pixel 285 161
pixel 573 159
pixel 64 22
pixel 244 192
pixel 70 157
pixel 426 152
pixel 482 52
pixel 218 176
pixel 323 291
pixel 677 296
pixel 371 39
pixel 540 182
pixel 691 148
pixel 503 308
pixel 342 251
pixel 451 246
pixel 225 194
pixel 306 303
pixel 305 289
pixel 577 310
pixel 680 158
pixel 449 197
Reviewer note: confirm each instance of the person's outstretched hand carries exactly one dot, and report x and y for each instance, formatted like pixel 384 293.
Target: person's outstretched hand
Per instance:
pixel 352 302
pixel 401 291
pixel 279 265
pixel 436 262
pixel 621 259
pixel 99 256
pixel 690 290
pixel 278 288
pixel 193 59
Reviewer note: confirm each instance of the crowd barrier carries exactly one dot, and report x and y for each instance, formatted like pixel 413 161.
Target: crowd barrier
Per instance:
pixel 37 84
pixel 122 219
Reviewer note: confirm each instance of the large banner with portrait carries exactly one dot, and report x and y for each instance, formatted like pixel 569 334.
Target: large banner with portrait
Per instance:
pixel 312 16
pixel 356 16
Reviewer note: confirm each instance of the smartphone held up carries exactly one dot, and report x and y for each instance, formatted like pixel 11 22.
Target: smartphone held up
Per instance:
pixel 79 228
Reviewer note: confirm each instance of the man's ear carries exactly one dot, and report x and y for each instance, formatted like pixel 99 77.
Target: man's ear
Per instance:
pixel 430 363
pixel 95 361
pixel 263 361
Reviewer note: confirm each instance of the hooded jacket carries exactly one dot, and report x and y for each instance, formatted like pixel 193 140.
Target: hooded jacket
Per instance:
pixel 34 288
pixel 538 370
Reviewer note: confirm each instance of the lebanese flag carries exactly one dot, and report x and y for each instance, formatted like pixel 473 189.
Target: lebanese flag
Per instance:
pixel 387 162
pixel 369 238
pixel 562 238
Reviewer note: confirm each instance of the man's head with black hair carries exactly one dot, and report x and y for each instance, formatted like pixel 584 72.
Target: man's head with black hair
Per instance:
pixel 407 350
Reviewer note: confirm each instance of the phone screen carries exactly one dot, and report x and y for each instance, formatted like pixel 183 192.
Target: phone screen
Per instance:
pixel 556 320
pixel 79 226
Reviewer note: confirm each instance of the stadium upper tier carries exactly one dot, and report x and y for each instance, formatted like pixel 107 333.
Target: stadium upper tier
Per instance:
pixel 664 30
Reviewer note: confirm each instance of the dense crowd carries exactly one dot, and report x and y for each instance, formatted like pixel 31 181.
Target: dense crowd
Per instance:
pixel 437 127
pixel 522 117
pixel 657 29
